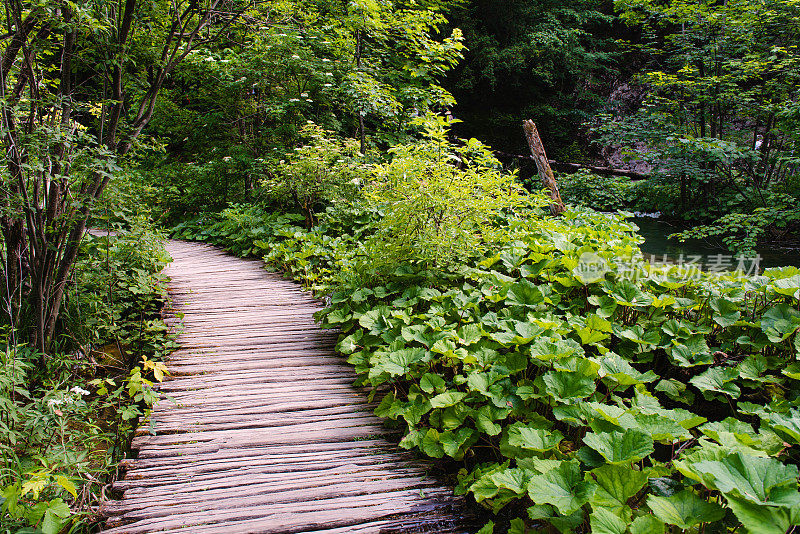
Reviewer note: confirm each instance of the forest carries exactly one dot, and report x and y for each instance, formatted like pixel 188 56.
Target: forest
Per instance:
pixel 373 151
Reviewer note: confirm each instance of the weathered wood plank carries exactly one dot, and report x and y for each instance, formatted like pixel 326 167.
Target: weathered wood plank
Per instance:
pixel 260 429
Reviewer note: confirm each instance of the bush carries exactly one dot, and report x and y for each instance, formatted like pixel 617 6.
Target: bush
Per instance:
pixel 438 199
pixel 324 171
pixel 599 192
pixel 67 417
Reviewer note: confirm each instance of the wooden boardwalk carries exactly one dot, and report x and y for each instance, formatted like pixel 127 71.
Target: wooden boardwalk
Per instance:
pixel 263 431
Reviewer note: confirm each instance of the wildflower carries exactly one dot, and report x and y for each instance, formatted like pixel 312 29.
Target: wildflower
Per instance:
pixel 304 95
pixel 226 158
pixel 294 100
pixel 55 402
pixel 79 391
pixel 327 85
pixel 295 56
pixel 326 60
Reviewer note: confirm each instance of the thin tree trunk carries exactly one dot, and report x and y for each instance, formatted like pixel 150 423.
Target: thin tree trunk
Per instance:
pixel 543 166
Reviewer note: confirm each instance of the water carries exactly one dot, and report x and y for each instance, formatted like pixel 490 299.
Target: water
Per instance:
pixel 655 232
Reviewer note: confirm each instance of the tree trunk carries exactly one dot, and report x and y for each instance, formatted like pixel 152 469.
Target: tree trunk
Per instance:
pixel 543 166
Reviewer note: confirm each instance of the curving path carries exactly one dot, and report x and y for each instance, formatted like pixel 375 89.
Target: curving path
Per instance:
pixel 261 430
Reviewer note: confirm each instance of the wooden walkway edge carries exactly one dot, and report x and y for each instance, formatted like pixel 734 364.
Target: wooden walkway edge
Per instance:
pixel 260 429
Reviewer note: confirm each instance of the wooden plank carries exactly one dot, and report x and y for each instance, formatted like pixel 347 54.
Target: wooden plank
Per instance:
pixel 260 429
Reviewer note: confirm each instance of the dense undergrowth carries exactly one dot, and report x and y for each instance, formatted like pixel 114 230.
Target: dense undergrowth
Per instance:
pixel 580 387
pixel 68 416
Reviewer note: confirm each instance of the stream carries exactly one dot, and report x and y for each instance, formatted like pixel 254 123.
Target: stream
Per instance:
pixel 655 232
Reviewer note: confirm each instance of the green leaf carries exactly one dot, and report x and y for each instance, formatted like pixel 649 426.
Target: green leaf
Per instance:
pixel 637 334
pixel 604 521
pixel 621 447
pixel 548 349
pixel 470 334
pixel 675 390
pixel 397 363
pixel 55 517
pixel 430 444
pixel 562 487
pixel 517 526
pixel 787 425
pixel 591 268
pixel 568 386
pixel 65 483
pixel 780 322
pixel 431 382
pixel 726 312
pixel 350 344
pixel 626 293
pixel 456 443
pixel 718 379
pixel 616 367
pixel 647 524
pixel 789 287
pixel 758 519
pixel 615 485
pixel 533 437
pixel 685 509
pixel 448 398
pixel 762 481
pixel 485 420
pixel 661 428
pixel 488 528
pixel 524 293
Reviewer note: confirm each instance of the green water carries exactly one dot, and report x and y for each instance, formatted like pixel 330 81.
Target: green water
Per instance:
pixel 655 232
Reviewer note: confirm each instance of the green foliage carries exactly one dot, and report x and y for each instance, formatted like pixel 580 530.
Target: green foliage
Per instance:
pixel 359 69
pixel 544 60
pixel 323 171
pixel 557 389
pixel 67 417
pixel 603 193
pixel 742 232
pixel 438 198
pixel 718 121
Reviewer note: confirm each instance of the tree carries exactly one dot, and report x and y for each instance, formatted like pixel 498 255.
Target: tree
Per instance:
pixel 79 81
pixel 359 69
pixel 547 60
pixel 722 101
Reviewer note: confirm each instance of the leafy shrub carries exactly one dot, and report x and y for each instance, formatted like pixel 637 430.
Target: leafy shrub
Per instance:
pixel 67 417
pixel 438 198
pixel 324 170
pixel 603 193
pixel 742 232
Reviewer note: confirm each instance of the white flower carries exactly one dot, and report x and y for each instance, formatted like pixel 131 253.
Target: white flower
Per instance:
pixel 294 100
pixel 327 85
pixel 326 60
pixel 295 56
pixel 226 158
pixel 55 402
pixel 328 74
pixel 309 100
pixel 79 391
pixel 304 95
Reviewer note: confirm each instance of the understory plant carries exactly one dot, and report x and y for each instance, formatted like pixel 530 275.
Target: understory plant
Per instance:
pixel 67 416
